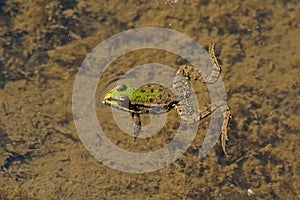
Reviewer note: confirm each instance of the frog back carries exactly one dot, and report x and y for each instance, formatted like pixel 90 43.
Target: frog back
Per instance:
pixel 153 98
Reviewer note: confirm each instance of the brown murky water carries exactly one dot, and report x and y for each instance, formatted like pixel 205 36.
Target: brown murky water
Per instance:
pixel 42 45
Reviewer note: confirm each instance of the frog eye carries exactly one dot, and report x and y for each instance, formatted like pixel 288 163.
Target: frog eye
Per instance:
pixel 123 100
pixel 120 87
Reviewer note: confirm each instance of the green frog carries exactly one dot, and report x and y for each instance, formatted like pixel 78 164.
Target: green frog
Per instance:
pixel 156 99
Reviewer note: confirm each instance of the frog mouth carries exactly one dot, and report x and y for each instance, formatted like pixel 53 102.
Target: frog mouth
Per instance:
pixel 107 101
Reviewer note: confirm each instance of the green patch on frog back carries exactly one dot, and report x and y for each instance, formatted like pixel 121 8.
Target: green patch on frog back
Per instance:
pixel 153 94
pixel 153 98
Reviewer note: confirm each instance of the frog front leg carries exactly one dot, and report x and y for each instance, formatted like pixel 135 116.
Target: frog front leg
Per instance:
pixel 136 124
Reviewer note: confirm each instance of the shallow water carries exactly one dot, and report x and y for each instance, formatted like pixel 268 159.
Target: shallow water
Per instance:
pixel 42 46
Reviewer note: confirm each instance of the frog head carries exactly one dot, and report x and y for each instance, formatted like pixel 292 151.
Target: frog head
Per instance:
pixel 119 97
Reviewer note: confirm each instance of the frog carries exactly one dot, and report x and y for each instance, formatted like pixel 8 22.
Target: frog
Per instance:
pixel 156 99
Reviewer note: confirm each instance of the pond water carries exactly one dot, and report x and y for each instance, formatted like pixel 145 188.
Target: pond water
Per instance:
pixel 42 46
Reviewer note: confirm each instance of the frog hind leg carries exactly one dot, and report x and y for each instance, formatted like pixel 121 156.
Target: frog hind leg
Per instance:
pixel 190 72
pixel 216 69
pixel 136 124
pixel 186 111
pixel 208 109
